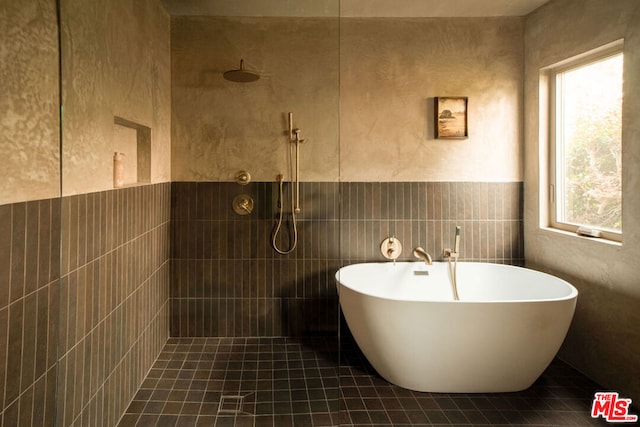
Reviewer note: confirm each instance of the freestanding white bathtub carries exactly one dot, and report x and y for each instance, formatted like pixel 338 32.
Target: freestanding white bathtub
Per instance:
pixel 500 336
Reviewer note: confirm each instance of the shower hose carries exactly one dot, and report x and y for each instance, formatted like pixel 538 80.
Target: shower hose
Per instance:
pixel 274 242
pixel 453 269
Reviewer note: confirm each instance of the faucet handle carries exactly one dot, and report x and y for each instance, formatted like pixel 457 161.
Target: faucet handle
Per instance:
pixel 391 248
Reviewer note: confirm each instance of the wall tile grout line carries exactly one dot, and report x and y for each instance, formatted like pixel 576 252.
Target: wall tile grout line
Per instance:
pixel 116 255
pixel 273 298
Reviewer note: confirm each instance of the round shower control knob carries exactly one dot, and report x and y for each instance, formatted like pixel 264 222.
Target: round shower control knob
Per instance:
pixel 391 248
pixel 243 204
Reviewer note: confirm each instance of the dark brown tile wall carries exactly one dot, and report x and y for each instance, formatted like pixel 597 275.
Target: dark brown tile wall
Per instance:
pixel 29 287
pixel 426 213
pixel 226 280
pixel 114 293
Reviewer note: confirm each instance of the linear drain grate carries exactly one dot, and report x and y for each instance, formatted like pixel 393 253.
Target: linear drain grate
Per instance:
pixel 237 404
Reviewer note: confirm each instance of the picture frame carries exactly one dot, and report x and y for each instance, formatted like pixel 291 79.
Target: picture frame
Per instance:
pixel 450 117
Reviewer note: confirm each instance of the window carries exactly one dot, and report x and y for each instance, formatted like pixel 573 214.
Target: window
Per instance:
pixel 585 142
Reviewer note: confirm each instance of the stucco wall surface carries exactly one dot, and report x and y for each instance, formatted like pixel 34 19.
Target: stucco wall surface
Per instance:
pixel 29 119
pixel 116 62
pixel 372 122
pixel 604 340
pixel 221 127
pixel 390 71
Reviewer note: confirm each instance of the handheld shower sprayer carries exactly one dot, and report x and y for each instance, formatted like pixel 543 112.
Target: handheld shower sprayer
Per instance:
pixel 452 255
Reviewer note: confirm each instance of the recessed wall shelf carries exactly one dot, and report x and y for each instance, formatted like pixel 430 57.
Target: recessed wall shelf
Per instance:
pixel 134 140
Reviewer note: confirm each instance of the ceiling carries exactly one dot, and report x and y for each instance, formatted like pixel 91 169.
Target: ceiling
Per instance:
pixel 353 8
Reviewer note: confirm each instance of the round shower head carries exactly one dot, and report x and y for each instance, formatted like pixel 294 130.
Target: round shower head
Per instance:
pixel 241 75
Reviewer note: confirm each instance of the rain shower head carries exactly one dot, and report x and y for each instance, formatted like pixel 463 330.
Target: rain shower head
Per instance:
pixel 241 75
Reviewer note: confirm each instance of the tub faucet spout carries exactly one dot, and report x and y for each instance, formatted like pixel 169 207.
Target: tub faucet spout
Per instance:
pixel 423 255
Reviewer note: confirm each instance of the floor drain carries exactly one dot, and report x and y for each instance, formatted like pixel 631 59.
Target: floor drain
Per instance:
pixel 236 404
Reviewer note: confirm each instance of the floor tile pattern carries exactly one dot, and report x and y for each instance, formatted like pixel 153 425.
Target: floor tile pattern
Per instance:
pixel 239 382
pixel 291 382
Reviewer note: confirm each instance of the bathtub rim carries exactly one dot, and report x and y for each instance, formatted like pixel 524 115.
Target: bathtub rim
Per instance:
pixel 573 294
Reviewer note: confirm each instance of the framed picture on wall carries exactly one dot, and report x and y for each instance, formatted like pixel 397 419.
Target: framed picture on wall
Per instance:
pixel 451 117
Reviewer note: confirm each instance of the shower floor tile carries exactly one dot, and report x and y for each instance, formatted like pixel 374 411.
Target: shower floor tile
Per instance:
pixel 291 382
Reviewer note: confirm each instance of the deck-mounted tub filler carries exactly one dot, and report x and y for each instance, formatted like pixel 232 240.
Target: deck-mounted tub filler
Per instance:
pixel 499 336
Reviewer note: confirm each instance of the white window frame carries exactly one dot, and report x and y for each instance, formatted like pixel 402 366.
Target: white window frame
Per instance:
pixel 548 76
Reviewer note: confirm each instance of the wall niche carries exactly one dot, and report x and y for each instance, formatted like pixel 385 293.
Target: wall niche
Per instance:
pixel 134 141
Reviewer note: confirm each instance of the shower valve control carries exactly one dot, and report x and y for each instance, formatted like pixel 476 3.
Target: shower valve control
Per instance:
pixel 242 204
pixel 391 248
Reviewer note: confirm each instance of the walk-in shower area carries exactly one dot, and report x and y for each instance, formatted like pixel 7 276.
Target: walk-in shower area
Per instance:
pixel 183 181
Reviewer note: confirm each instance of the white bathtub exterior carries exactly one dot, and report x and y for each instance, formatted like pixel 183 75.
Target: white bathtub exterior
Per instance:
pixel 501 335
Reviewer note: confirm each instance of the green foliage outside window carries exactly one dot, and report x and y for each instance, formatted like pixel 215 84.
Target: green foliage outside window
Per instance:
pixel 592 145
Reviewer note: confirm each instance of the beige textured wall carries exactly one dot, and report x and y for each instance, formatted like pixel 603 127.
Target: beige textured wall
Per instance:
pixel 116 62
pixel 604 340
pixel 221 127
pixel 29 119
pixel 390 70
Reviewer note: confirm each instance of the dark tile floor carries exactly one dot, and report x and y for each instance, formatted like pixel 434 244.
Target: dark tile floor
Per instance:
pixel 290 382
